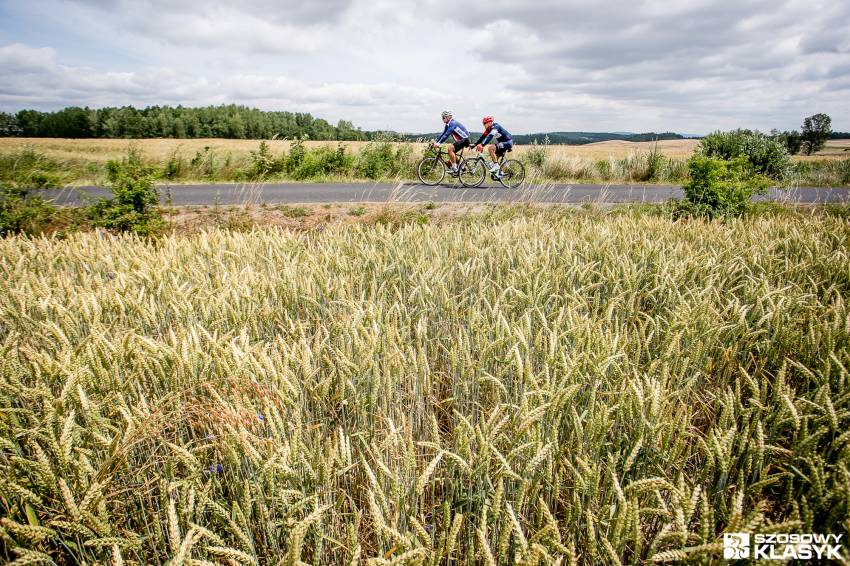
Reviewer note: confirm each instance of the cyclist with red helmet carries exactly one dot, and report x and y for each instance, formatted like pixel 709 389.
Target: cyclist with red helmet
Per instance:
pixel 460 135
pixel 503 142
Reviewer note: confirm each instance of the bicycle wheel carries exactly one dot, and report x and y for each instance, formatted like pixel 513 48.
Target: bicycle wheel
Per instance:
pixel 512 174
pixel 431 171
pixel 472 172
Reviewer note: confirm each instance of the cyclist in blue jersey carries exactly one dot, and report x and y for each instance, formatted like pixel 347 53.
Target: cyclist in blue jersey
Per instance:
pixel 503 142
pixel 458 133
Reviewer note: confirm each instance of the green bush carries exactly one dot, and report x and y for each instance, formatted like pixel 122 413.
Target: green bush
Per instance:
pixel 765 155
pixel 133 206
pixel 23 213
pixel 176 166
pixel 297 152
pixel 536 154
pixel 203 164
pixel 264 164
pixel 324 161
pixel 718 187
pixel 654 163
pixel 378 159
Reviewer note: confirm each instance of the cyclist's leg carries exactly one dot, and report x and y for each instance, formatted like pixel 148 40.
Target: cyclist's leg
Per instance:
pixel 494 161
pixel 500 150
pixel 455 147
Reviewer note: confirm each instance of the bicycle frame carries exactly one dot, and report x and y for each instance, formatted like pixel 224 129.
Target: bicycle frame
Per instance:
pixel 440 152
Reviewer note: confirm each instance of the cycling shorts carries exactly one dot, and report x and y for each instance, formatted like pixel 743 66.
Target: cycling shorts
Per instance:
pixel 503 147
pixel 460 144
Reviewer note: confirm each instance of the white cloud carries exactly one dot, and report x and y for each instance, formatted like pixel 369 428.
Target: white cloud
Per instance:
pixel 693 65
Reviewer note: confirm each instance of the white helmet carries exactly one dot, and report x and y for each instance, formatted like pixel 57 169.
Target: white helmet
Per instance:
pixel 447 114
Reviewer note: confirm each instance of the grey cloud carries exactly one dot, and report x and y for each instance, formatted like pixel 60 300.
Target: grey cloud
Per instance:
pixel 556 64
pixel 277 11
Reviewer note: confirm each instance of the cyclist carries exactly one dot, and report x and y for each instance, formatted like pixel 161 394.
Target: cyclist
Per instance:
pixel 459 134
pixel 503 138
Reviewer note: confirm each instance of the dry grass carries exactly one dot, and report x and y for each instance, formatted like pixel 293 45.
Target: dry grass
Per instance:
pixel 101 150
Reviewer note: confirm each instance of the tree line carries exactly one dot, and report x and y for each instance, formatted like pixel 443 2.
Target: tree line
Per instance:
pixel 226 121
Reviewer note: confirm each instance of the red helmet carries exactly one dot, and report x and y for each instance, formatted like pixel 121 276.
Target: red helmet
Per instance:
pixel 486 119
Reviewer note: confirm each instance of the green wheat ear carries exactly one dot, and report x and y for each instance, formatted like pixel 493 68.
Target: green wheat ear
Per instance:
pixel 521 388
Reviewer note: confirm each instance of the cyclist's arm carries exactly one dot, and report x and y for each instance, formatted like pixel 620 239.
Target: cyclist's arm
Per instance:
pixel 484 139
pixel 444 135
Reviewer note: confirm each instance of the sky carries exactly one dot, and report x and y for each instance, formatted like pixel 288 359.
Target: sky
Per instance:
pixel 690 66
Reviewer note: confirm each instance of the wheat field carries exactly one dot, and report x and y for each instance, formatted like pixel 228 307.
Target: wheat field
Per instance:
pixel 160 149
pixel 557 388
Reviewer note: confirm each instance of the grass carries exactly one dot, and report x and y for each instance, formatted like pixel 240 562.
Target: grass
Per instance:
pixel 519 387
pixel 82 162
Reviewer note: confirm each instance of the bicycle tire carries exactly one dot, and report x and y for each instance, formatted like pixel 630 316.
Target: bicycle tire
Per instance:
pixel 512 174
pixel 431 171
pixel 472 172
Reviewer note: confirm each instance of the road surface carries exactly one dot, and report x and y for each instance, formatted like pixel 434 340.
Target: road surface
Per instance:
pixel 278 193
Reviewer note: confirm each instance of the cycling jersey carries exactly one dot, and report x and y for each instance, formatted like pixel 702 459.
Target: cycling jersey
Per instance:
pixel 455 129
pixel 496 131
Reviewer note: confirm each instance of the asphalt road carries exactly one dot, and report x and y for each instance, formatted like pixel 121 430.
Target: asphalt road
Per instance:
pixel 183 195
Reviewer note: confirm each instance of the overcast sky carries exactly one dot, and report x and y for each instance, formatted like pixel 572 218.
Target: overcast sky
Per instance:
pixel 689 66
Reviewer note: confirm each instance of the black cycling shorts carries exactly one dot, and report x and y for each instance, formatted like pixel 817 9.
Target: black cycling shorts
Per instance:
pixel 461 144
pixel 503 147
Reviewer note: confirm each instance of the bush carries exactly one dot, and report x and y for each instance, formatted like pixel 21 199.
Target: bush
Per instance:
pixel 322 162
pixel 378 159
pixel 718 187
pixel 176 166
pixel 23 213
pixel 654 163
pixel 203 164
pixel 766 156
pixel 296 156
pixel 536 154
pixel 264 164
pixel 133 207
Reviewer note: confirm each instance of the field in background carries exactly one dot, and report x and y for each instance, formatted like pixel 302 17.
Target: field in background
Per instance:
pixel 557 386
pixel 101 150
pixel 82 162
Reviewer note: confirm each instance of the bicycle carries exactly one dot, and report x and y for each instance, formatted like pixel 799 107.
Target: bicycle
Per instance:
pixel 511 171
pixel 431 169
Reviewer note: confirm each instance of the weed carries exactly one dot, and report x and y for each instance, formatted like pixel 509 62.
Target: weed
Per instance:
pixel 293 211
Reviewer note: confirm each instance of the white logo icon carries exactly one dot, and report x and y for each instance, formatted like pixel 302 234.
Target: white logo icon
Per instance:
pixel 736 545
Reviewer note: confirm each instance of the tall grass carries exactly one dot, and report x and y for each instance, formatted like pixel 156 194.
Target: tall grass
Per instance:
pixel 578 389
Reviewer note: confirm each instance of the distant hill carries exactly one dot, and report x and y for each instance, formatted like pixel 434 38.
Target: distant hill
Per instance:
pixel 572 138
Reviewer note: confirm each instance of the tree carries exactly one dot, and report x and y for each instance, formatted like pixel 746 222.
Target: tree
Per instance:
pixel 816 130
pixel 9 125
pixel 791 139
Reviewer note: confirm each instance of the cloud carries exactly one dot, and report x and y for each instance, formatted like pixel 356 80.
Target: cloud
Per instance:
pixel 20 59
pixel 256 26
pixel 33 78
pixel 692 65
